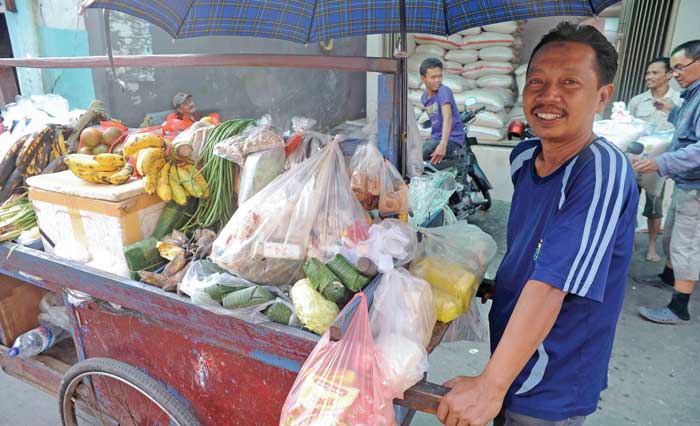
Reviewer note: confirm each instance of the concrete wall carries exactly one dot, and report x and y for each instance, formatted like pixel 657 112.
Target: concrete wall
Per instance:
pixel 686 27
pixel 46 28
pixel 327 96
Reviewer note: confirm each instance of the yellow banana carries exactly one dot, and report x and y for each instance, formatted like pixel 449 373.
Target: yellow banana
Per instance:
pixel 62 147
pixel 139 142
pixel 92 175
pixel 199 179
pixel 163 186
pixel 114 160
pixel 121 176
pixel 149 184
pixel 87 162
pixel 184 172
pixel 178 192
pixel 150 161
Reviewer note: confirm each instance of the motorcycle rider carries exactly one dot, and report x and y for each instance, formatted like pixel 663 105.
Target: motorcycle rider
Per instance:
pixel 447 131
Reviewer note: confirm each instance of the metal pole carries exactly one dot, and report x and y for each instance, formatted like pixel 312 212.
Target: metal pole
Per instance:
pixel 403 85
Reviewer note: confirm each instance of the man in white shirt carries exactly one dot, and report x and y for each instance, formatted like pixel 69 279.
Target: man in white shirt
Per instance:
pixel 646 106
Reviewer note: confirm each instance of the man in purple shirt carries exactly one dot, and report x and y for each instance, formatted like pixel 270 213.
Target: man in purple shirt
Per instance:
pixel 447 130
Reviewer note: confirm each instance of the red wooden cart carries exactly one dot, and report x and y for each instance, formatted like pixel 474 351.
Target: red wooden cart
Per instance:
pixel 142 356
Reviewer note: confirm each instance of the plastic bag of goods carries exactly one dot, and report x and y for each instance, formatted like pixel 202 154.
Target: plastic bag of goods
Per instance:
pixel 393 195
pixel 260 169
pixel 453 261
pixel 309 211
pixel 391 243
pixel 259 137
pixel 341 383
pixel 480 97
pixel 452 42
pixel 414 146
pixel 429 194
pixel 496 120
pixel 479 69
pixel 304 142
pixel 506 94
pixel 487 133
pixel 402 318
pixel 497 54
pixel 619 132
pixel 431 49
pixel 415 60
pixel 487 39
pixel 502 27
pixel 452 68
pixel 366 168
pixel 462 56
pixel 501 81
pixel 472 326
pixel 654 145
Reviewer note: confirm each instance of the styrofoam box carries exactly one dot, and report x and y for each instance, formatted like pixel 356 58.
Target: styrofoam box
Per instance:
pixel 100 219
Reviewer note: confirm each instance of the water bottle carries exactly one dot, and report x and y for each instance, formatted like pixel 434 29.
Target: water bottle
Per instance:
pixel 37 341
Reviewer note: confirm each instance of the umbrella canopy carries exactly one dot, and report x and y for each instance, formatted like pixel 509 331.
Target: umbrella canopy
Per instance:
pixel 306 21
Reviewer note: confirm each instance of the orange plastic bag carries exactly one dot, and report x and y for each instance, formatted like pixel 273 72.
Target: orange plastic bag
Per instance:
pixel 341 382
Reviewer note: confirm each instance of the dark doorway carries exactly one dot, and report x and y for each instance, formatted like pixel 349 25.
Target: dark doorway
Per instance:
pixel 8 76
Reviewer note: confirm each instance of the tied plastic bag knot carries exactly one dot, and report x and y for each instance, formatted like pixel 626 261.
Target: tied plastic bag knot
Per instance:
pixel 341 383
pixel 390 244
pixel 255 138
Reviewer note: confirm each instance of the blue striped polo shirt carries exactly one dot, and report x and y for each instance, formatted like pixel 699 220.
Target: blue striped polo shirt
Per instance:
pixel 574 230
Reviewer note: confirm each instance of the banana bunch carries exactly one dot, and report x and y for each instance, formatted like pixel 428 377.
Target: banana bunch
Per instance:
pixel 31 155
pixel 101 168
pixel 135 143
pixel 177 181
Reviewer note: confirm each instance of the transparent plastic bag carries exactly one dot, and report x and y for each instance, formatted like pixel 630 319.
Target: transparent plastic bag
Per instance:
pixel 208 286
pixel 453 259
pixel 414 151
pixel 391 243
pixel 341 383
pixel 259 137
pixel 366 170
pixel 303 143
pixel 308 211
pixel 402 318
pixel 473 326
pixel 260 169
pixel 429 194
pixel 53 310
pixel 393 194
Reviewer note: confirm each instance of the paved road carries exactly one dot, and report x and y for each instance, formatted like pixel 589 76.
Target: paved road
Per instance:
pixel 653 375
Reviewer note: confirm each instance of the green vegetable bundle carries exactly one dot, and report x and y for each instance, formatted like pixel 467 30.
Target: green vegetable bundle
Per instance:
pixel 347 273
pixel 325 281
pixel 16 217
pixel 249 296
pixel 215 211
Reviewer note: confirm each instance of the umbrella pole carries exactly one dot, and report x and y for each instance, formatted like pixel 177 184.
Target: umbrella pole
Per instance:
pixel 403 85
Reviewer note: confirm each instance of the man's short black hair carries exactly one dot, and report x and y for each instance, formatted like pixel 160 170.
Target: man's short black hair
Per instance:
pixel 661 59
pixel 605 53
pixel 429 64
pixel 691 49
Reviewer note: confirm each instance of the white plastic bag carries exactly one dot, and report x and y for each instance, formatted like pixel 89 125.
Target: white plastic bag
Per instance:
pixel 494 120
pixel 470 31
pixel 414 147
pixel 496 54
pixel 451 42
pixel 487 39
pixel 391 243
pixel 478 69
pixel 452 68
pixel 487 133
pixel 488 81
pixel 502 27
pixel 259 137
pixel 472 326
pixel 462 56
pixel 490 100
pixel 402 318
pixel 431 49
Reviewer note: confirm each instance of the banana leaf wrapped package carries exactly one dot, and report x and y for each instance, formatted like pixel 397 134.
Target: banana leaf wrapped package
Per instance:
pixel 326 282
pixel 250 296
pixel 347 273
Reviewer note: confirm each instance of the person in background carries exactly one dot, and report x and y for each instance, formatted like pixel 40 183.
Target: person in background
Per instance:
pixel 185 110
pixel 682 164
pixel 447 131
pixel 642 106
pixel 560 286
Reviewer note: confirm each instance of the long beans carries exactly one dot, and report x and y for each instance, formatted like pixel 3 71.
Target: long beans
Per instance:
pixel 215 211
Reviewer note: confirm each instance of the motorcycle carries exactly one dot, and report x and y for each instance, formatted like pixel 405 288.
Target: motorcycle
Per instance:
pixel 473 193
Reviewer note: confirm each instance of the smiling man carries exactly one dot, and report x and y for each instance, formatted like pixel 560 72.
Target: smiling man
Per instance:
pixel 560 287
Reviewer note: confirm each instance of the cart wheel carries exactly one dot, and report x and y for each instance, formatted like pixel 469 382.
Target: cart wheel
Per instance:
pixel 103 391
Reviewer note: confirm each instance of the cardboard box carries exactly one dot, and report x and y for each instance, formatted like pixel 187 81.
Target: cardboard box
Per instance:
pixel 19 308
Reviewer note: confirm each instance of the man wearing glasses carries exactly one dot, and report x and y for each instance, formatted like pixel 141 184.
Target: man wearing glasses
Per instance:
pixel 682 164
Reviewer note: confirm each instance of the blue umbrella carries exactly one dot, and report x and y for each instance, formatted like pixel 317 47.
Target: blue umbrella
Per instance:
pixel 306 21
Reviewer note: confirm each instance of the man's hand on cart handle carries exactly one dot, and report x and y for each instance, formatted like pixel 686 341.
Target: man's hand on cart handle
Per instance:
pixel 473 401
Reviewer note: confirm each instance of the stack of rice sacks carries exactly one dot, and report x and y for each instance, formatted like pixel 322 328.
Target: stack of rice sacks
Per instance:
pixel 479 64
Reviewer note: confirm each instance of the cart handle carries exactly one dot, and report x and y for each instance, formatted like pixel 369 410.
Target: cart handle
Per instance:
pixel 424 397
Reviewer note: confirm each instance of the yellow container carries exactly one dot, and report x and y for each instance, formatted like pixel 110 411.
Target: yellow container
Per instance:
pixel 448 277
